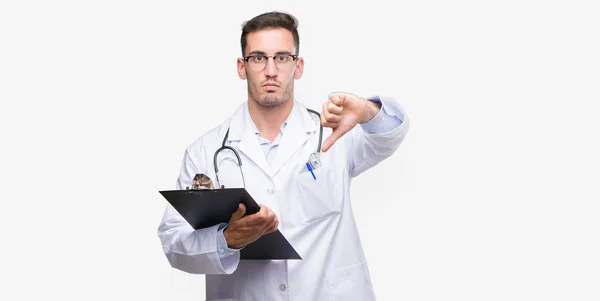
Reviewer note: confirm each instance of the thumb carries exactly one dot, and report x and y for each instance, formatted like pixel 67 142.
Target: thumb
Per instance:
pixel 239 213
pixel 335 135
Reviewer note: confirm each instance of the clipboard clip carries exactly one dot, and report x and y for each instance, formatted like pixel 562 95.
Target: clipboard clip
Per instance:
pixel 201 182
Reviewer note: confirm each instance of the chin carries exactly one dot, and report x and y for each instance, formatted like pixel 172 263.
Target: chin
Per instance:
pixel 270 103
pixel 271 100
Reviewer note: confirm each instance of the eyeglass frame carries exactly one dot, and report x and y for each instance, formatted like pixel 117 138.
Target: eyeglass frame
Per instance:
pixel 293 56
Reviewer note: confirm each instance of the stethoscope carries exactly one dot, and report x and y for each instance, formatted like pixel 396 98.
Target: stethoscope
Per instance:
pixel 313 163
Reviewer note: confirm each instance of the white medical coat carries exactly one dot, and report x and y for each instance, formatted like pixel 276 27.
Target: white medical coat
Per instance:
pixel 314 215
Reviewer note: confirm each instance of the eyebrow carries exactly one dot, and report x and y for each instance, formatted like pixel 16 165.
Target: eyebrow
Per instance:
pixel 263 53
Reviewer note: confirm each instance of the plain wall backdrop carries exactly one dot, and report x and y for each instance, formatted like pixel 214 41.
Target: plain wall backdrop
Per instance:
pixel 492 196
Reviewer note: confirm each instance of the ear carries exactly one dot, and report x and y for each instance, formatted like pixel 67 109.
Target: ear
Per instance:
pixel 241 69
pixel 299 68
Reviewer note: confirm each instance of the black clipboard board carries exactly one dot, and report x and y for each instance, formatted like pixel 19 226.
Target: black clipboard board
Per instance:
pixel 208 207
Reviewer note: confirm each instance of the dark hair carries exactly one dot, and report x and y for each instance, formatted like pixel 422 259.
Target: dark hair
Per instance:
pixel 271 20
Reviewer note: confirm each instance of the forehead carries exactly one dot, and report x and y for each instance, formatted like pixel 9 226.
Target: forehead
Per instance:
pixel 270 41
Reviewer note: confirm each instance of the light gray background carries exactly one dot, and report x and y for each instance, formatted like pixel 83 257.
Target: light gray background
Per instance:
pixel 493 195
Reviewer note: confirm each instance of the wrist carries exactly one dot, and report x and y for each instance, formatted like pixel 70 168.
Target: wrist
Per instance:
pixel 371 110
pixel 227 237
pixel 229 240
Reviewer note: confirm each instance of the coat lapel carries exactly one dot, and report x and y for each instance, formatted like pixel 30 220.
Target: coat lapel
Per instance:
pixel 301 125
pixel 248 142
pixel 297 131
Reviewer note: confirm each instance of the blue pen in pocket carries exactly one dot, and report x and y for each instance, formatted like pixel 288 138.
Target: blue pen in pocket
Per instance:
pixel 311 170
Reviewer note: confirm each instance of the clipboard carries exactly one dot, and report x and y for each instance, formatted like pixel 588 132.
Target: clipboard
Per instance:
pixel 208 207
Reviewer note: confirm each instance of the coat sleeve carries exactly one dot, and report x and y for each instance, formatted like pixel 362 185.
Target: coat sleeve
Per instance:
pixel 189 250
pixel 374 141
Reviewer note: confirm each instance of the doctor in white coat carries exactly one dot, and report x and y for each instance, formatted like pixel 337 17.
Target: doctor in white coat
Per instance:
pixel 275 136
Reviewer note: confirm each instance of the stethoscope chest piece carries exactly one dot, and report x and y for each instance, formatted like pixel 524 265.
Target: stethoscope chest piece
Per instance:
pixel 314 160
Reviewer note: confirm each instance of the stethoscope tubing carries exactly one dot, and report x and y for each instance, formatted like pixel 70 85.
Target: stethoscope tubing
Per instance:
pixel 223 147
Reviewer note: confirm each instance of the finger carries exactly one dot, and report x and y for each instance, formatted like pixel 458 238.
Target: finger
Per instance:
pixel 269 216
pixel 264 221
pixel 338 99
pixel 330 115
pixel 257 219
pixel 272 226
pixel 264 212
pixel 332 108
pixel 269 224
pixel 332 119
pixel 271 229
pixel 328 124
pixel 335 135
pixel 239 213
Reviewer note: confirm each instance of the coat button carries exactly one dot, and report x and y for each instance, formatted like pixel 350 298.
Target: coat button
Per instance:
pixel 282 287
pixel 270 191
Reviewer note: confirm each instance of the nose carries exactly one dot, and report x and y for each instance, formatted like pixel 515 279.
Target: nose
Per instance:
pixel 271 68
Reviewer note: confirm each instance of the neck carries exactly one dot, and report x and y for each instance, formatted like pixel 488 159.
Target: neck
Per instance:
pixel 268 120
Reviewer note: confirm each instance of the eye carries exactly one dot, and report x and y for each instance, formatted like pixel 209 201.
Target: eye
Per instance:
pixel 259 58
pixel 281 57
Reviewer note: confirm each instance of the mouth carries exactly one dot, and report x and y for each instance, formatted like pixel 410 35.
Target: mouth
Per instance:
pixel 270 85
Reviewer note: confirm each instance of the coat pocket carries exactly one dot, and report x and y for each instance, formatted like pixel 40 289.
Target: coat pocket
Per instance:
pixel 318 196
pixel 350 283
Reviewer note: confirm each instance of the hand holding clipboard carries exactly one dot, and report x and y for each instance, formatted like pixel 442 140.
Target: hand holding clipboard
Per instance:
pixel 204 207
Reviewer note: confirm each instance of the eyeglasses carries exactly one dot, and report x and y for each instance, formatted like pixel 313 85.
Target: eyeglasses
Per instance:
pixel 258 62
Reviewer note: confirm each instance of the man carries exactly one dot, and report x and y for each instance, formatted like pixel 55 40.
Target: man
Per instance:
pixel 275 137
